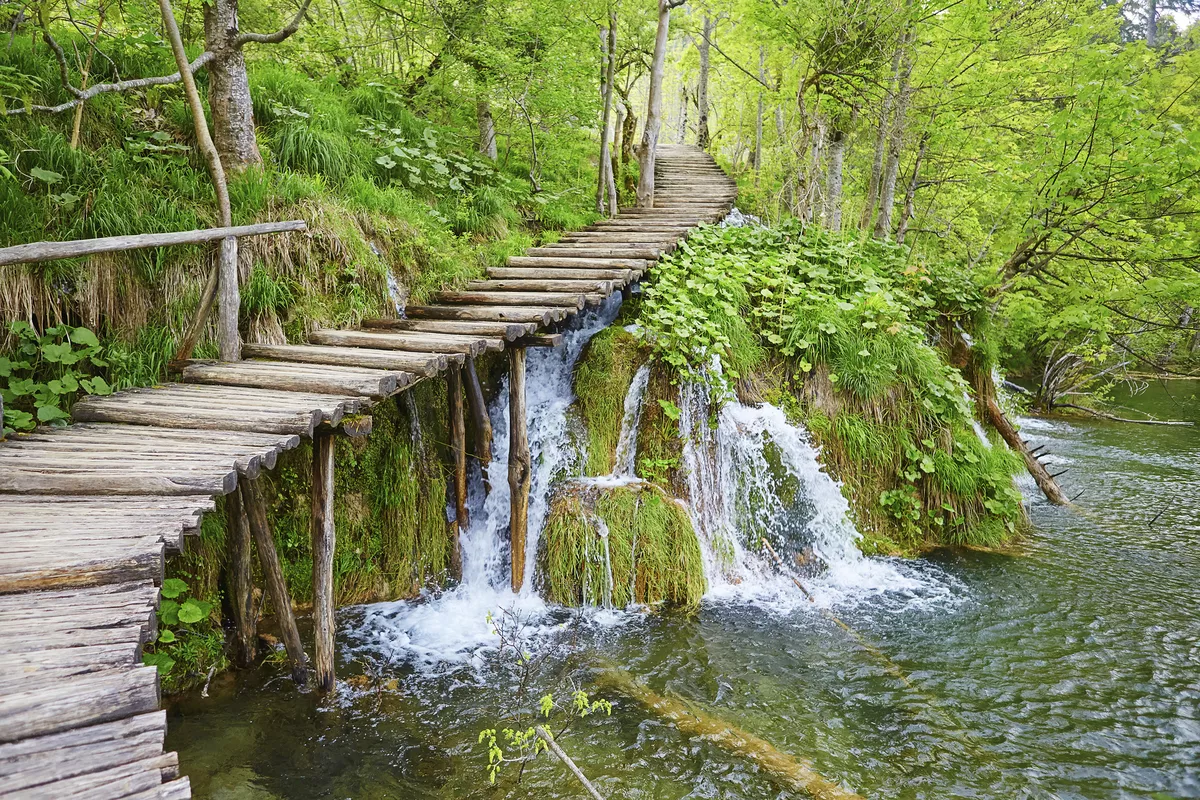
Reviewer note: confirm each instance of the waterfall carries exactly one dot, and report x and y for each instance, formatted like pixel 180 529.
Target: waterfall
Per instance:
pixel 626 458
pixel 448 628
pixel 755 475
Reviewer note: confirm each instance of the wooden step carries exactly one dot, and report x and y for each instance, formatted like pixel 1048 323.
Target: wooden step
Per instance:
pixel 421 342
pixel 299 377
pixel 507 331
pixel 423 364
pixel 542 315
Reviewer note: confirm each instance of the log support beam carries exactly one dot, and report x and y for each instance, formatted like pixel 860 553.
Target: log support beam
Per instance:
pixel 241 581
pixel 323 543
pixel 268 558
pixel 520 472
pixel 458 447
pixel 480 422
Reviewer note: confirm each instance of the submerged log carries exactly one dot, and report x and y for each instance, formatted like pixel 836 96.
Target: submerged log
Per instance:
pixel 458 447
pixel 268 559
pixel 241 581
pixel 691 720
pixel 323 543
pixel 520 465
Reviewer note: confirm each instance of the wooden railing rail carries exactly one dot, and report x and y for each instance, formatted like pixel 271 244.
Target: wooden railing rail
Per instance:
pixel 49 251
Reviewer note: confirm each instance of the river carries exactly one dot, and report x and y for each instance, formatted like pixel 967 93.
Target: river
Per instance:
pixel 1068 667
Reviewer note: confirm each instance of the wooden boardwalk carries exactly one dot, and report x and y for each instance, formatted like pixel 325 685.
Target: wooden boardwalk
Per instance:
pixel 89 512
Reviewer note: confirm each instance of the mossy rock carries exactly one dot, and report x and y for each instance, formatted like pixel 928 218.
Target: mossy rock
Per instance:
pixel 653 551
pixel 603 375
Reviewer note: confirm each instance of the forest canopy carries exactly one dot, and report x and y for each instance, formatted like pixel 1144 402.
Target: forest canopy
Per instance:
pixel 1049 152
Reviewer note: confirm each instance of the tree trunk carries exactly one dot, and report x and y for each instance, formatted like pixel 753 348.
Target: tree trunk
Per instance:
pixel 224 276
pixel 833 180
pixel 887 193
pixel 487 128
pixel 628 134
pixel 758 122
pixel 910 194
pixel 458 449
pixel 1152 24
pixel 649 148
pixel 613 205
pixel 885 114
pixel 606 97
pixel 684 105
pixel 710 26
pixel 229 88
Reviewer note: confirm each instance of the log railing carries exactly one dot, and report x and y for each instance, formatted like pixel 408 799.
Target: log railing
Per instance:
pixel 49 251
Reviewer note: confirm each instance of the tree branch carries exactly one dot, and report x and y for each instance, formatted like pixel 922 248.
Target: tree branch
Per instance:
pixel 120 86
pixel 279 35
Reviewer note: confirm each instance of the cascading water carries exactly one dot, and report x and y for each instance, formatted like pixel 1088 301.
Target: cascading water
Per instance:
pixel 755 475
pixel 626 457
pixel 449 628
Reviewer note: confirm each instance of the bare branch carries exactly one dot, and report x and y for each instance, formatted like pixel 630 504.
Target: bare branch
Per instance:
pixel 279 35
pixel 120 86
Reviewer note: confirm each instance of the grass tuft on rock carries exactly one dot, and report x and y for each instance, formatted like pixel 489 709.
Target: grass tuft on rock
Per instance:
pixel 652 549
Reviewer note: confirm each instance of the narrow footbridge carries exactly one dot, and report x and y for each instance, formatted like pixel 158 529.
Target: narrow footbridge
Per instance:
pixel 89 512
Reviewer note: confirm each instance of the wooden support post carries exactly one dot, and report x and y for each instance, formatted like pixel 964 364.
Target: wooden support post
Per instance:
pixel 520 473
pixel 458 446
pixel 228 338
pixel 480 420
pixel 323 542
pixel 241 581
pixel 268 559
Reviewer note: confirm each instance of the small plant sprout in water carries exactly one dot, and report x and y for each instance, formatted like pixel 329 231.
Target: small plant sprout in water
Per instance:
pixel 543 704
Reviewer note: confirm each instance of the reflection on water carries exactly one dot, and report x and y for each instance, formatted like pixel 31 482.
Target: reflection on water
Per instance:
pixel 1073 663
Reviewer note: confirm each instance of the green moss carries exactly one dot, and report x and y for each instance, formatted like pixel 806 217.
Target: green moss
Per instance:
pixel 652 549
pixel 602 378
pixel 659 446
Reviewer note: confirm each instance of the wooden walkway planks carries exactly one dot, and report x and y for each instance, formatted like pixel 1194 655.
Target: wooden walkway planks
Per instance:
pixel 89 512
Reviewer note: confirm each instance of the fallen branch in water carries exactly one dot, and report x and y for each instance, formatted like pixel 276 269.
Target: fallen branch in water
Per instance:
pixel 690 719
pixel 1114 418
pixel 561 755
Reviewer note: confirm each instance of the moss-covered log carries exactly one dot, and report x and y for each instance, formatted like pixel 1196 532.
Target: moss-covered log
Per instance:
pixel 790 772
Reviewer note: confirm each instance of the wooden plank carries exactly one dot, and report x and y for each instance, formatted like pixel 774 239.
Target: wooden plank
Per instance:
pixel 422 342
pixel 542 285
pixel 565 299
pixel 79 701
pixel 42 760
pixel 502 330
pixel 617 276
pixel 573 262
pixel 423 364
pixel 540 340
pixel 295 377
pixel 204 419
pixel 121 561
pixel 593 251
pixel 542 315
pixel 147 481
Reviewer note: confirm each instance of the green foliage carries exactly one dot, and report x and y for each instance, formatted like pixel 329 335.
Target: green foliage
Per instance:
pixel 46 372
pixel 188 640
pixel 644 537
pixel 850 320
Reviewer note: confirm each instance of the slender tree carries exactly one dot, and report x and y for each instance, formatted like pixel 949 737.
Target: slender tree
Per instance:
pixel 653 125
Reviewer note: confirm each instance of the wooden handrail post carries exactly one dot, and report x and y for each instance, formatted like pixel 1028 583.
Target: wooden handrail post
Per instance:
pixel 241 580
pixel 323 543
pixel 268 559
pixel 520 472
pixel 229 340
pixel 458 446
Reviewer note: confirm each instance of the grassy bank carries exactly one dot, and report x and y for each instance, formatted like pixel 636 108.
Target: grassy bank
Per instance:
pixel 850 336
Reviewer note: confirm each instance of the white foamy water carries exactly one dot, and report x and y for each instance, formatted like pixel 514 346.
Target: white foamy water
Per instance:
pixel 737 497
pixel 450 628
pixel 751 474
